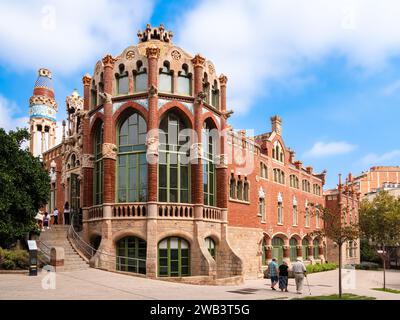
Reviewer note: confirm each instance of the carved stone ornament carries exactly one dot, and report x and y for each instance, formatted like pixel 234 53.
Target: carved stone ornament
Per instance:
pixel 87 161
pixel 227 114
pixel 196 150
pixel 108 61
pixel 153 52
pixel 261 193
pixel 106 96
pixel 152 145
pixel 86 80
pixel 222 161
pixel 176 55
pixel 200 97
pixel 198 61
pixel 109 151
pixel 38 100
pixel 211 68
pixel 153 91
pixel 223 80
pixel 130 55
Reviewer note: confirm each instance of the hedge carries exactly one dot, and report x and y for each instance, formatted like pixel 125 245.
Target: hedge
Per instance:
pixel 14 259
pixel 312 268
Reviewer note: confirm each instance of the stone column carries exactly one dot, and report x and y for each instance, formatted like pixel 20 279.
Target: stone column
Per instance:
pixel 33 138
pixel 286 251
pixel 311 253
pixel 268 254
pixel 43 132
pixel 152 53
pixel 299 252
pixel 321 253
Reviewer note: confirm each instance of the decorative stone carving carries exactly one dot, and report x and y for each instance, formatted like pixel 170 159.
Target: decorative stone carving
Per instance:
pixel 198 61
pixel 176 55
pixel 155 34
pixel 211 68
pixel 261 193
pixel 223 80
pixel 86 80
pixel 152 145
pixel 52 172
pixel 108 61
pixel 87 161
pixel 153 91
pixel 153 52
pixel 109 151
pixel 130 55
pixel 40 100
pixel 74 102
pixel 227 114
pixel 200 97
pixel 106 96
pixel 196 150
pixel 222 161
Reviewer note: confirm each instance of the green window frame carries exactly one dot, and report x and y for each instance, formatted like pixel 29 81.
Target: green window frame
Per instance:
pixel 277 249
pixel 165 77
pixel 315 249
pixel 295 215
pixel 280 213
pixel 173 257
pixel 264 253
pixel 232 187
pixel 261 208
pixel 210 244
pixel 173 168
pixel 98 166
pixel 307 218
pixel 209 170
pixel 131 160
pixel 304 245
pixel 131 253
pixel 293 249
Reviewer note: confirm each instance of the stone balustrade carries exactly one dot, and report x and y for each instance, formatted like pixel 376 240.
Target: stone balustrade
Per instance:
pixel 96 212
pixel 212 213
pixel 175 211
pixel 129 210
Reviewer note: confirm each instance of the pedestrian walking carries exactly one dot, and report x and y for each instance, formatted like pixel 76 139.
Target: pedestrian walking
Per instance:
pixel 300 272
pixel 55 215
pixel 273 273
pixel 67 213
pixel 283 276
pixel 46 220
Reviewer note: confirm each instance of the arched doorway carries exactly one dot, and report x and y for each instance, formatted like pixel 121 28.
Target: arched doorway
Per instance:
pixel 293 249
pixel 131 255
pixel 173 257
pixel 304 245
pixel 277 248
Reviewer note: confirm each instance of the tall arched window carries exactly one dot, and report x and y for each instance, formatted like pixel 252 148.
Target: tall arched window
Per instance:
pixel 210 245
pixel 263 170
pixel 316 249
pixel 140 75
pixel 293 249
pixel 93 95
pixel 215 95
pixel 304 248
pixel 261 208
pixel 246 189
pixel 209 172
pixel 206 88
pixel 277 152
pixel 277 248
pixel 122 80
pixel 98 166
pixel 294 181
pixel 184 81
pixel 173 169
pixel 239 189
pixel 165 84
pixel 232 187
pixel 131 160
pixel 279 176
pixel 280 209
pixel 307 217
pixel 173 257
pixel 317 218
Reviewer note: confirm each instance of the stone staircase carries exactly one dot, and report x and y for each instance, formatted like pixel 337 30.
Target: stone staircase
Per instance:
pixel 56 236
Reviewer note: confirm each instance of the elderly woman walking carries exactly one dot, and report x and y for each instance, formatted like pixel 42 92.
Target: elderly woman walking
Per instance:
pixel 283 276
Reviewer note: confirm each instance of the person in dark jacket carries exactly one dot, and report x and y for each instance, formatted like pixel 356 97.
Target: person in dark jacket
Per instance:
pixel 283 276
pixel 67 213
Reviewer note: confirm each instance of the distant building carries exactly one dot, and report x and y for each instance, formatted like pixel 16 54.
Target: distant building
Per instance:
pixel 344 201
pixel 392 188
pixel 375 178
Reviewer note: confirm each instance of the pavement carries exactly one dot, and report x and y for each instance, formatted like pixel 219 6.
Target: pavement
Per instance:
pixel 93 284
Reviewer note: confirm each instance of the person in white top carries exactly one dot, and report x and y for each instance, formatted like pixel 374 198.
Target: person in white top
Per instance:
pixel 300 271
pixel 39 219
pixel 55 215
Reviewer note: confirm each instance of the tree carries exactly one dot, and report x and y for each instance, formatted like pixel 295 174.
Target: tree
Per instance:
pixel 24 187
pixel 338 230
pixel 380 223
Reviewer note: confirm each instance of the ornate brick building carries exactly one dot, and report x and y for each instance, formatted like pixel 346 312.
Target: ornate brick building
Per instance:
pixel 162 178
pixel 376 178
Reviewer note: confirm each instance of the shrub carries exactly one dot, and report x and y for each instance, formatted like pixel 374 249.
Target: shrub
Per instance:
pixel 366 265
pixel 312 268
pixel 8 265
pixel 14 259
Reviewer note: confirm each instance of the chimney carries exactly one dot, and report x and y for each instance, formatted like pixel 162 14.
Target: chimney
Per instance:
pixel 309 170
pixel 276 122
pixel 298 164
pixel 291 155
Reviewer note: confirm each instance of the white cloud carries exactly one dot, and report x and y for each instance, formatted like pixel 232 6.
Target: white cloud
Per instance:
pixel 391 88
pixel 383 159
pixel 67 35
pixel 7 120
pixel 254 42
pixel 324 149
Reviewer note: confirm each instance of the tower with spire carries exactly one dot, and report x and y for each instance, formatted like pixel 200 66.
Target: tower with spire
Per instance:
pixel 42 114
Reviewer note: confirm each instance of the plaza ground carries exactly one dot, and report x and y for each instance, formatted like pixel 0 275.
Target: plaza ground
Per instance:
pixel 98 284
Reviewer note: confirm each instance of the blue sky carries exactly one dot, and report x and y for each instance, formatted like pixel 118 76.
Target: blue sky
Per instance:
pixel 330 69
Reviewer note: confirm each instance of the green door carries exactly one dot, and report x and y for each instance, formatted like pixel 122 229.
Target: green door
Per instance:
pixel 316 251
pixel 293 250
pixel 277 249
pixel 304 244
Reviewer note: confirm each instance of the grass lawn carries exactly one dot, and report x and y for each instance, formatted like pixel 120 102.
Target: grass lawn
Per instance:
pixel 387 290
pixel 345 296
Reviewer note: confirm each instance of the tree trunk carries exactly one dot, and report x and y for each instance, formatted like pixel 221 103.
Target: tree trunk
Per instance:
pixel 384 267
pixel 340 271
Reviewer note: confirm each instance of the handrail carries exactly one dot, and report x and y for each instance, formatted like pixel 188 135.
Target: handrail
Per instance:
pixel 44 248
pixel 89 251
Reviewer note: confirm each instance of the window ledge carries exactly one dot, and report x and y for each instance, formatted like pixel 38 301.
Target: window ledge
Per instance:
pixel 239 201
pixel 280 224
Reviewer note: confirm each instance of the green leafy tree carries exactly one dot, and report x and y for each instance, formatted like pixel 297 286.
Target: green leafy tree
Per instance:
pixel 338 231
pixel 24 187
pixel 380 223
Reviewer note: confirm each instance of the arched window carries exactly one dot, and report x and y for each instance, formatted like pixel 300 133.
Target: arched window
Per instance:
pixel 277 248
pixel 280 210
pixel 184 81
pixel 293 249
pixel 294 181
pixel 173 169
pixel 316 189
pixel 140 76
pixel 239 189
pixel 206 88
pixel 122 80
pixel 317 218
pixel 315 249
pixel 209 171
pixel 307 217
pixel 279 176
pixel 232 187
pixel 101 83
pixel 93 95
pixel 304 246
pixel 306 186
pixel 165 84
pixel 295 214
pixel 277 152
pixel 261 208
pixel 173 257
pixel 98 166
pixel 210 245
pixel 264 170
pixel 246 189
pixel 131 160
pixel 131 255
pixel 215 95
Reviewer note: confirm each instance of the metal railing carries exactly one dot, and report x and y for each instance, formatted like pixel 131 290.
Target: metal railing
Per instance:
pixel 45 250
